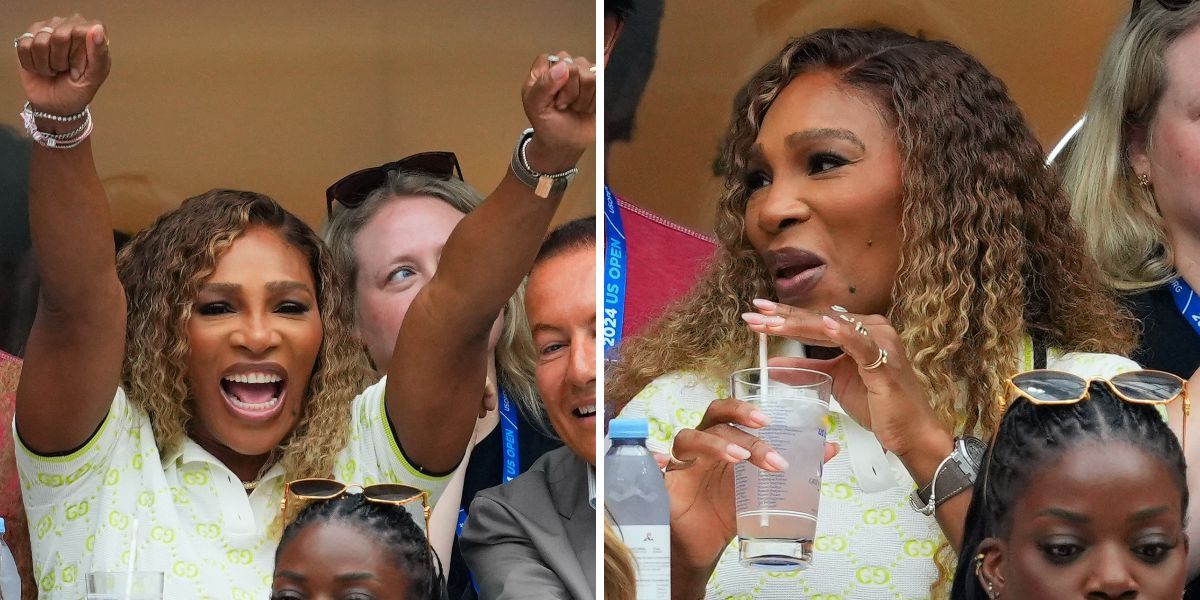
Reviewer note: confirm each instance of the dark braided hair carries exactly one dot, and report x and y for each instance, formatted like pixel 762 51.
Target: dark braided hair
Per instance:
pixel 392 526
pixel 1032 436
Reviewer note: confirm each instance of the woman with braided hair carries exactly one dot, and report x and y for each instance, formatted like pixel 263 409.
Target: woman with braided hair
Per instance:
pixel 1080 501
pixel 888 218
pixel 350 545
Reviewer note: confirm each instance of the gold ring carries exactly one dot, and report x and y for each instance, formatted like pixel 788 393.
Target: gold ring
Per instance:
pixel 879 362
pixel 848 318
pixel 674 464
pixel 860 328
pixel 17 40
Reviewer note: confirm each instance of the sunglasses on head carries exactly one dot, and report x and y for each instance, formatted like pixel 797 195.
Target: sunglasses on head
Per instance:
pixel 1167 4
pixel 351 190
pixel 1045 387
pixel 395 494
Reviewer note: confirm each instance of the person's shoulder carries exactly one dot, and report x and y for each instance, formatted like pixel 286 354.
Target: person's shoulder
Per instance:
pixel 535 481
pixel 1090 364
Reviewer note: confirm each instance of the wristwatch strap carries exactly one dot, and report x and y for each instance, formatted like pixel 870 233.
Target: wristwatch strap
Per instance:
pixel 951 478
pixel 543 184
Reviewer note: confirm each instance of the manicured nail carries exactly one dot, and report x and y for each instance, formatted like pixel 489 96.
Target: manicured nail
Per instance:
pixel 75 73
pixel 830 324
pixel 753 318
pixel 758 417
pixel 558 71
pixel 777 461
pixel 739 452
pixel 763 304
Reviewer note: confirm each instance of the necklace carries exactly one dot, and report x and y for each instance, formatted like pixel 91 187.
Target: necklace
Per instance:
pixel 250 485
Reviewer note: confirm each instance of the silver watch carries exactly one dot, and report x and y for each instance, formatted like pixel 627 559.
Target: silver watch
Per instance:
pixel 955 474
pixel 543 184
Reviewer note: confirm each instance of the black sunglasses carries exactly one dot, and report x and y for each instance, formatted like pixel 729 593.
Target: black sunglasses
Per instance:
pixel 1167 4
pixel 351 190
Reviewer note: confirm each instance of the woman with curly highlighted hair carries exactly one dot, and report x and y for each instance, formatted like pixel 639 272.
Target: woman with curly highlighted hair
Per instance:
pixel 166 397
pixel 888 218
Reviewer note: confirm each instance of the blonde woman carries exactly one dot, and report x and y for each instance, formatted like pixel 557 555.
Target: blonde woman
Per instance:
pixel 167 397
pixel 1134 180
pixel 887 207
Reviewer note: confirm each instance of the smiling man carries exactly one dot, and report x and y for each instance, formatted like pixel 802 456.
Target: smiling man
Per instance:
pixel 535 537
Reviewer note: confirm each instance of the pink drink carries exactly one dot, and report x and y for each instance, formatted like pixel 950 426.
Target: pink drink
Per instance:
pixel 777 512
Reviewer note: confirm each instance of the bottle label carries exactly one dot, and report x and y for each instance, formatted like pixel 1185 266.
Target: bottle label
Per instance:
pixel 651 549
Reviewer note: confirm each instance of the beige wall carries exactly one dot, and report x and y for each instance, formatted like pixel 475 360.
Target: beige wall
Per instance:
pixel 286 97
pixel 1045 50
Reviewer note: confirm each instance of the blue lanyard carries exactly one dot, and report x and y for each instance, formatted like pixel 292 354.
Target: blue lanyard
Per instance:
pixel 1186 300
pixel 616 252
pixel 510 459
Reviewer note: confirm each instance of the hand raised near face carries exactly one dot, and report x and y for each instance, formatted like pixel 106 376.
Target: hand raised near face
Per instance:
pixel 559 97
pixel 873 379
pixel 63 63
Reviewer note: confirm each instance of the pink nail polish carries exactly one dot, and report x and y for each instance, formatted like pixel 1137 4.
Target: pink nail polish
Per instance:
pixel 829 323
pixel 753 318
pixel 738 452
pixel 763 304
pixel 758 417
pixel 777 461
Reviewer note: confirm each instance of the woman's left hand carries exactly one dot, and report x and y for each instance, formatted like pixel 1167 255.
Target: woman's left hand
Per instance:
pixel 884 397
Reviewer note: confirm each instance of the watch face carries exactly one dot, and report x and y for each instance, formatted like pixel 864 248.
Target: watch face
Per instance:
pixel 975 448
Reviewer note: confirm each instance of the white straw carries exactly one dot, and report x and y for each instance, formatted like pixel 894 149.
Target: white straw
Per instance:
pixel 763 382
pixel 132 562
pixel 762 365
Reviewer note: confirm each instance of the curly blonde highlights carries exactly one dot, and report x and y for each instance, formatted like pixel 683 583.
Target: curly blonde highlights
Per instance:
pixel 162 268
pixel 989 251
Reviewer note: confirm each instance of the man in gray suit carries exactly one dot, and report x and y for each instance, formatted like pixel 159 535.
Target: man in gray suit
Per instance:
pixel 535 537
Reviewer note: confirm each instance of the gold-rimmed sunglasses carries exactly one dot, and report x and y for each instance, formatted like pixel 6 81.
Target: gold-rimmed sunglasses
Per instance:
pixel 395 494
pixel 1045 387
pixel 1048 387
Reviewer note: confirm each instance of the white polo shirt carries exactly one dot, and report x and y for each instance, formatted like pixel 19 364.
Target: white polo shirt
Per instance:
pixel 195 521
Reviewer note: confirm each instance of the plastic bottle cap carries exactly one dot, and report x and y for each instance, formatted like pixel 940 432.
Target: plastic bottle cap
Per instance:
pixel 628 429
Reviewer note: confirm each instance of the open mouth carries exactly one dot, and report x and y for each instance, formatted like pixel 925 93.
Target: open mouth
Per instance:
pixel 254 394
pixel 796 272
pixel 584 412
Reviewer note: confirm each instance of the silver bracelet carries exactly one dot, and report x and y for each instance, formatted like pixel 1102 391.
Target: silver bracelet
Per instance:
pixel 60 141
pixel 543 184
pixel 60 118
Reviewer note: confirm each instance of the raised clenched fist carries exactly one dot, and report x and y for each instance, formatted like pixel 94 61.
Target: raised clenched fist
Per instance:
pixel 63 63
pixel 560 101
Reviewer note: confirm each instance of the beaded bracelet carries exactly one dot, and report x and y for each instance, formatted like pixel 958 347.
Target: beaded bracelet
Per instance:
pixel 62 141
pixel 50 117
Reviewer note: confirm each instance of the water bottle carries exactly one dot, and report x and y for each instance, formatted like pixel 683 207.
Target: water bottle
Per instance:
pixel 10 580
pixel 635 497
